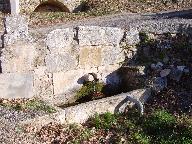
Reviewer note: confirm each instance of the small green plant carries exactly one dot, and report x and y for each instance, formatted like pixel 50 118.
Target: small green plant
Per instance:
pixel 105 121
pixel 34 104
pixel 88 90
pixel 159 121
pixel 141 138
pixel 39 105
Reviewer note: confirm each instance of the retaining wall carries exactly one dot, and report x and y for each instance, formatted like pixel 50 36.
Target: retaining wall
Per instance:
pixel 53 62
pixel 53 66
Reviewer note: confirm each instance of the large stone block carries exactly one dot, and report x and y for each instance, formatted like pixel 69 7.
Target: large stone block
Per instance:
pixel 19 57
pixel 60 40
pixel 16 29
pixel 60 62
pixel 91 56
pixel 95 35
pixel 14 85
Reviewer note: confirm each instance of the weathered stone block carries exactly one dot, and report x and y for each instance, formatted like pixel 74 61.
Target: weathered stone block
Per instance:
pixel 19 57
pixel 60 40
pixel 14 85
pixel 43 84
pixel 60 62
pixel 90 56
pixel 16 28
pixel 112 55
pixel 95 35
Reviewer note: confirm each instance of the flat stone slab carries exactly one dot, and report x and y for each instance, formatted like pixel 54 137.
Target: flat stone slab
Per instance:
pixel 82 112
pixel 15 85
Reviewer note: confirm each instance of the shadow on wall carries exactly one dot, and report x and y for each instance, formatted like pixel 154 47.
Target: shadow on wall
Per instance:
pixel 5 6
pixel 51 6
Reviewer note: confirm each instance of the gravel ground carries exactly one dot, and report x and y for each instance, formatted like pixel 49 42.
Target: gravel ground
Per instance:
pixel 10 132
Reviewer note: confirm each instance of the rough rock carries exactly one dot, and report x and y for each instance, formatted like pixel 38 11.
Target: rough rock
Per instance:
pixel 60 40
pixel 165 72
pixel 159 84
pixel 91 56
pixel 109 74
pixel 16 29
pixel 94 35
pixel 176 74
pixel 60 62
pixel 15 85
pixel 67 83
pixel 132 37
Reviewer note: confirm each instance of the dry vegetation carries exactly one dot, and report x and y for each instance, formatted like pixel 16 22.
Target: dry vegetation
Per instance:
pixel 94 8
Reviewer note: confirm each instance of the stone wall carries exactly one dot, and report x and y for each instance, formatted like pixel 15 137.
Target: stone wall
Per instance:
pixel 52 66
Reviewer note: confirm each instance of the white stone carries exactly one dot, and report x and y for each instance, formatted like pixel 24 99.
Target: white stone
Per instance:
pixel 181 68
pixel 43 84
pixel 14 85
pixel 132 37
pixel 16 29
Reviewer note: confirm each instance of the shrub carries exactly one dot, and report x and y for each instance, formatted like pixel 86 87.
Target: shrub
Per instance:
pixel 159 121
pixel 88 90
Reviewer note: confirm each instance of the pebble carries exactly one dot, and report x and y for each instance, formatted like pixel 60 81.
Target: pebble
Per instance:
pixel 159 84
pixel 165 72
pixel 186 71
pixel 176 74
pixel 153 66
pixel 181 68
pixel 159 64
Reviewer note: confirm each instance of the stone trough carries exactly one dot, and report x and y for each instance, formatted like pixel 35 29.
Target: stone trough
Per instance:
pixel 82 112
